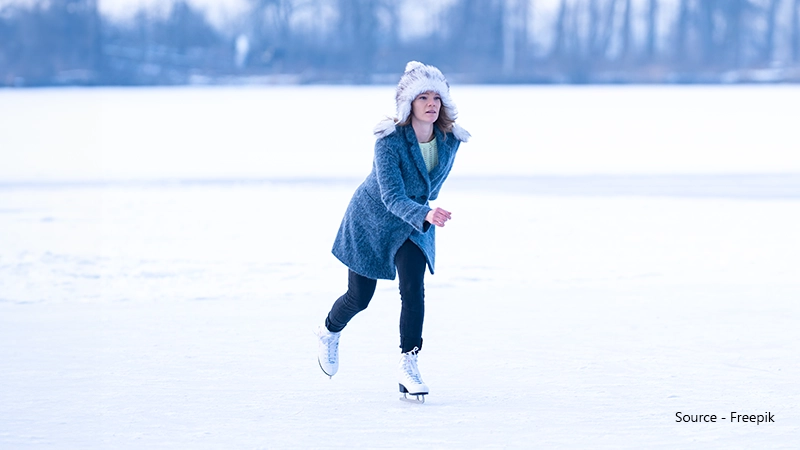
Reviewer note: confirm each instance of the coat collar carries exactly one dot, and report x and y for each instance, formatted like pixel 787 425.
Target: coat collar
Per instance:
pixel 444 147
pixel 416 155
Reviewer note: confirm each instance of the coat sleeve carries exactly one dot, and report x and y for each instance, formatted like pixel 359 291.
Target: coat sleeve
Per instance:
pixel 393 190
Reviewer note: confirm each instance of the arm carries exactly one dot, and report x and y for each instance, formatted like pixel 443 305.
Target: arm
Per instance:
pixel 393 190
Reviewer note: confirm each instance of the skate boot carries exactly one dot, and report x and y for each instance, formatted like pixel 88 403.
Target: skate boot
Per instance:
pixel 410 380
pixel 328 351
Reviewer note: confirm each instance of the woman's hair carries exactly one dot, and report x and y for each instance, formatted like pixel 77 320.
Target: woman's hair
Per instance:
pixel 444 122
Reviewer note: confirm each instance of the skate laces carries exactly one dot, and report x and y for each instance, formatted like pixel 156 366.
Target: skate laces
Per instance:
pixel 331 341
pixel 410 366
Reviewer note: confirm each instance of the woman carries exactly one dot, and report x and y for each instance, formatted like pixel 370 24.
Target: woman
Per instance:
pixel 388 227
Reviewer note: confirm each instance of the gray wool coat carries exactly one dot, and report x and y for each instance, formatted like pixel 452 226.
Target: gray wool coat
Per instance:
pixel 390 206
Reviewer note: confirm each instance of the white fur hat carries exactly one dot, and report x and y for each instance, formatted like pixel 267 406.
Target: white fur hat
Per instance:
pixel 416 79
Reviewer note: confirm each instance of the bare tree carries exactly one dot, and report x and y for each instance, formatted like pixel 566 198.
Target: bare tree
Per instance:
pixel 705 28
pixel 363 26
pixel 796 31
pixel 476 33
pixel 682 29
pixel 652 29
pixel 271 25
pixel 735 27
pixel 625 31
pixel 516 14
pixel 605 17
pixel 560 31
pixel 769 38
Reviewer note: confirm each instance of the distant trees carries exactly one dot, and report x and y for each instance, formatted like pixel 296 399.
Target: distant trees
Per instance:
pixel 475 30
pixel 164 50
pixel 55 43
pixel 734 34
pixel 704 36
pixel 795 19
pixel 270 31
pixel 70 42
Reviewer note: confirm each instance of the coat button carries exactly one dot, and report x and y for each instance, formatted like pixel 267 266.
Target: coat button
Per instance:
pixel 412 197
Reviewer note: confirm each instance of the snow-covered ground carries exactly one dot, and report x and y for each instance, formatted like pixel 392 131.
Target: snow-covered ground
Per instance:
pixel 324 132
pixel 568 310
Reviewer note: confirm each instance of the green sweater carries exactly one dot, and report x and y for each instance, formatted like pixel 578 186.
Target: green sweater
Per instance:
pixel 430 153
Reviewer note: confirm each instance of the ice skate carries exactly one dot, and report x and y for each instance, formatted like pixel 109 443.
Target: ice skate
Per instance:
pixel 328 351
pixel 410 379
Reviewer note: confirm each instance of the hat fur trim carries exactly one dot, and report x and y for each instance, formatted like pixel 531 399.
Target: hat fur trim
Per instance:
pixel 416 79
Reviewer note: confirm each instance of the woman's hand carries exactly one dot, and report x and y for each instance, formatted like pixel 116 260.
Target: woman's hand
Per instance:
pixel 438 217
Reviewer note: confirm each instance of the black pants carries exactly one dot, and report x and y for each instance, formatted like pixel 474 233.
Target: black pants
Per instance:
pixel 411 264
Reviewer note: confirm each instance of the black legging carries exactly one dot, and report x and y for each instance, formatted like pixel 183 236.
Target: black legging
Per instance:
pixel 411 264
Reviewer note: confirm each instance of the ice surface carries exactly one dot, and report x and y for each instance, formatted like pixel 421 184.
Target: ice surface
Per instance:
pixel 290 132
pixel 566 311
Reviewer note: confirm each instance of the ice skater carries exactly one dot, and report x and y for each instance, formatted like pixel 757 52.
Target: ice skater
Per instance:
pixel 389 228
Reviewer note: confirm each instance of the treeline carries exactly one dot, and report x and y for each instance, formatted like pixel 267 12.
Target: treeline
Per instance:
pixel 69 42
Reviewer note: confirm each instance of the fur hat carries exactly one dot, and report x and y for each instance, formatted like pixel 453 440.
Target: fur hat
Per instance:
pixel 416 79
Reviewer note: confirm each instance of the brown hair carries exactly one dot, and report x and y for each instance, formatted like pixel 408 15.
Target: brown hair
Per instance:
pixel 444 123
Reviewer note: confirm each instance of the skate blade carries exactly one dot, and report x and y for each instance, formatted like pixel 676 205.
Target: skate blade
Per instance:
pixel 417 397
pixel 323 370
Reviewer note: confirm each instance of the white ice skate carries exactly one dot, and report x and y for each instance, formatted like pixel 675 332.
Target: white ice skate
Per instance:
pixel 410 380
pixel 328 351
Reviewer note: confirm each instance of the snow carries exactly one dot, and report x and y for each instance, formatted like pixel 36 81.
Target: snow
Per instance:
pixel 323 132
pixel 166 297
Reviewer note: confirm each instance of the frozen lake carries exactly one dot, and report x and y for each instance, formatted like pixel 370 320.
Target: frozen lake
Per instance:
pixel 236 133
pixel 165 256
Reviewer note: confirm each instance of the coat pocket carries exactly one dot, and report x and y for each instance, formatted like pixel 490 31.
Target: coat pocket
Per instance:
pixel 421 199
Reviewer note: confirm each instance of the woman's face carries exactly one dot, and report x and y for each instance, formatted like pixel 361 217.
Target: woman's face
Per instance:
pixel 425 108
